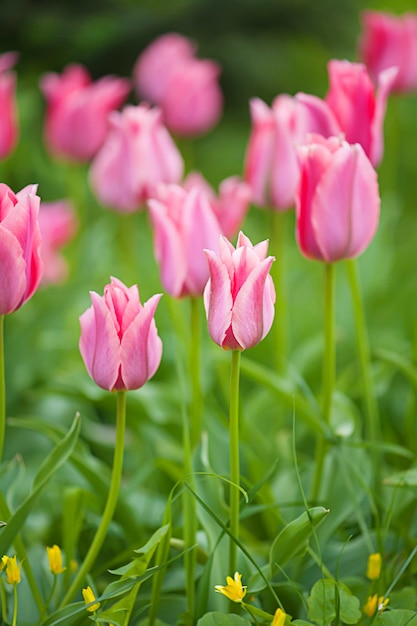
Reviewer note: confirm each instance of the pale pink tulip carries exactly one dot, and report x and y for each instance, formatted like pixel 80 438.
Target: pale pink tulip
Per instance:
pixel 8 106
pixel 231 204
pixel 271 166
pixel 119 341
pixel 390 41
pixel 58 224
pixel 77 111
pixel 239 297
pixel 337 204
pixel 184 224
pixel 20 241
pixel 138 154
pixel 357 106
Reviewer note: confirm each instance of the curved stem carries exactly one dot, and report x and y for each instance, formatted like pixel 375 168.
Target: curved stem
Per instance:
pixel 234 458
pixel 110 504
pixel 329 362
pixel 277 272
pixel 2 389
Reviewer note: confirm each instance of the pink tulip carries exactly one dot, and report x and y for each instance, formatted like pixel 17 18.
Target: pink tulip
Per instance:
pixel 357 107
pixel 8 106
pixel 184 224
pixel 58 225
pixel 138 154
pixel 78 109
pixel 231 204
pixel 119 341
pixel 390 41
pixel 239 297
pixel 271 167
pixel 185 88
pixel 337 204
pixel 20 241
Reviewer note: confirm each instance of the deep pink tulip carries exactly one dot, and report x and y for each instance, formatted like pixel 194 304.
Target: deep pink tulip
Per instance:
pixel 186 89
pixel 184 223
pixel 337 204
pixel 138 154
pixel 390 40
pixel 119 341
pixel 271 166
pixel 357 106
pixel 58 224
pixel 77 111
pixel 239 297
pixel 231 204
pixel 8 107
pixel 20 241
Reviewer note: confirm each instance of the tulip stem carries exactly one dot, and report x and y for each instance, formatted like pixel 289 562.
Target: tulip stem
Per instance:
pixel 234 459
pixel 196 399
pixel 14 622
pixel 329 363
pixel 110 504
pixel 2 389
pixel 277 272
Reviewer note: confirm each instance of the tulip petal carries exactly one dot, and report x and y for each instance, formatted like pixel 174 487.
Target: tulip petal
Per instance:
pixel 13 272
pixel 260 151
pixel 141 348
pixel 218 298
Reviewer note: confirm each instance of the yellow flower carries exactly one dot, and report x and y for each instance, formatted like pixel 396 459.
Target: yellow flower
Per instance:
pixel 89 596
pixel 374 566
pixel 73 565
pixel 234 589
pixel 375 604
pixel 12 569
pixel 279 618
pixel 55 560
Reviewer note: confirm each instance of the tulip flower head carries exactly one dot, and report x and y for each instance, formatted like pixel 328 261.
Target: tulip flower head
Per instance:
pixel 58 224
pixel 279 618
pixel 119 341
pixel 55 560
pixel 233 590
pixel 12 569
pixel 373 570
pixel 337 203
pixel 20 242
pixel 239 297
pixel 374 604
pixel 8 105
pixel 390 41
pixel 88 596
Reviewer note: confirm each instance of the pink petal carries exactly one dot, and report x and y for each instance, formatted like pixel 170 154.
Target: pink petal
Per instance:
pixel 13 272
pixel 218 298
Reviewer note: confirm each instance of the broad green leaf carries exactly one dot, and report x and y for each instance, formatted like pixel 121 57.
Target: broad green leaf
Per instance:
pixel 293 538
pixel 401 363
pixel 407 478
pixel 301 622
pixel 222 619
pixel 396 617
pixel 325 595
pixel 49 467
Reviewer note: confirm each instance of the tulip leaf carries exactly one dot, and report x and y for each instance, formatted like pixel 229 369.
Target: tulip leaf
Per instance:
pixel 49 467
pixel 329 598
pixel 293 538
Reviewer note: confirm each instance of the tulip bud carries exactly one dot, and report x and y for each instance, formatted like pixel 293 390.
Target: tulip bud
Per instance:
pixel 58 225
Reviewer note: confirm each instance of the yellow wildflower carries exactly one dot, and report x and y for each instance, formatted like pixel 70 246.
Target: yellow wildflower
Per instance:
pixel 55 560
pixel 374 604
pixel 279 618
pixel 234 589
pixel 12 569
pixel 73 565
pixel 89 596
pixel 374 566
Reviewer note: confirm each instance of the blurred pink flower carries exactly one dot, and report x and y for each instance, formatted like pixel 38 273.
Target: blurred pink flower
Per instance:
pixel 119 341
pixel 337 203
pixel 8 106
pixel 184 223
pixel 185 88
pixel 239 297
pixel 231 204
pixel 20 241
pixel 137 155
pixel 358 107
pixel 390 41
pixel 58 224
pixel 78 109
pixel 271 166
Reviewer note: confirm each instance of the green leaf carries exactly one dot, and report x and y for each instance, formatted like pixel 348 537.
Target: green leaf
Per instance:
pixel 397 617
pixel 49 467
pixel 222 619
pixel 408 478
pixel 293 538
pixel 329 598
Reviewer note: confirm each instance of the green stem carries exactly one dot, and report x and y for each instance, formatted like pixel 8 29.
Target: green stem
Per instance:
pixel 234 458
pixel 196 398
pixel 190 522
pixel 110 504
pixel 329 363
pixel 2 389
pixel 277 272
pixel 3 602
pixel 47 602
pixel 14 622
